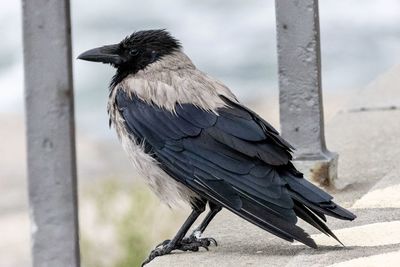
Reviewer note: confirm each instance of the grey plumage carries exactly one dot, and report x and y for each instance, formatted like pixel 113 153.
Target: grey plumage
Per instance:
pixel 169 82
pixel 192 140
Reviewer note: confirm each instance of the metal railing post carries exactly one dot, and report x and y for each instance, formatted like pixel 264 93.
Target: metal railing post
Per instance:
pixel 300 94
pixel 50 133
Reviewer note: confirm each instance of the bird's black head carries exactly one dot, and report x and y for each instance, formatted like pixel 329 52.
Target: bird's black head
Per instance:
pixel 135 52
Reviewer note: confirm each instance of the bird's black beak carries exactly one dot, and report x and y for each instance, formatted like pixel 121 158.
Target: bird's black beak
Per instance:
pixel 104 54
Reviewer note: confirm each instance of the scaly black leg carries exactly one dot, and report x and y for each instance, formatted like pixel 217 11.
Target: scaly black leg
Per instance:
pixel 214 209
pixel 176 243
pixel 195 236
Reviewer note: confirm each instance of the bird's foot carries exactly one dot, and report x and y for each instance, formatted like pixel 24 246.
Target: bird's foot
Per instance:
pixel 191 243
pixel 161 249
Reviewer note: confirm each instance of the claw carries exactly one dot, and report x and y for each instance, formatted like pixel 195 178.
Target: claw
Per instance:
pixel 212 240
pixel 191 243
pixel 145 262
pixel 161 249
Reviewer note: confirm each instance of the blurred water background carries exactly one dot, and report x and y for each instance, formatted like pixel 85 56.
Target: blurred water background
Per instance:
pixel 233 40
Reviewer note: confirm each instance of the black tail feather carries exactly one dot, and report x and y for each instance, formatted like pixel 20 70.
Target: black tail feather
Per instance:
pixel 319 214
pixel 308 216
pixel 332 210
pixel 256 214
pixel 313 197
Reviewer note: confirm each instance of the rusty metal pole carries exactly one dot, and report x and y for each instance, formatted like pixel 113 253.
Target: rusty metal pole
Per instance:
pixel 50 133
pixel 300 92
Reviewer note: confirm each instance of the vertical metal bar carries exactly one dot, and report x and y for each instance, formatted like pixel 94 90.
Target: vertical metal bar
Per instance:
pixel 301 109
pixel 50 133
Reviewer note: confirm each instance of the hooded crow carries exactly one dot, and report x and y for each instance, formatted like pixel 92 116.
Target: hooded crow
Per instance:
pixel 192 140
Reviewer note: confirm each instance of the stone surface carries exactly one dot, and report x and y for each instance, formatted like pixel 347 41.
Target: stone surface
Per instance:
pixel 389 259
pixel 389 187
pixel 369 235
pixel 322 171
pixel 382 93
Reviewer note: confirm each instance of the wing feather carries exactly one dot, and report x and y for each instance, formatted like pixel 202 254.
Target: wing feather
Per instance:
pixel 231 157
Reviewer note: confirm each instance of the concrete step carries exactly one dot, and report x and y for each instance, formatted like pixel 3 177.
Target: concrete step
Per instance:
pixel 384 194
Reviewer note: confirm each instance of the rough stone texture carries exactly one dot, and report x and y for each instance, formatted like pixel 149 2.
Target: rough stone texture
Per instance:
pixel 388 186
pixel 50 133
pixel 386 98
pixel 368 146
pixel 390 259
pixel 301 109
pixel 321 172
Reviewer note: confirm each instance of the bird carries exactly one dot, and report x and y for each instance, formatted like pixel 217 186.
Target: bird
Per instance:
pixel 192 140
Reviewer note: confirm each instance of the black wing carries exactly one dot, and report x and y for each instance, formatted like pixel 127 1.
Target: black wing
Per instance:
pixel 234 158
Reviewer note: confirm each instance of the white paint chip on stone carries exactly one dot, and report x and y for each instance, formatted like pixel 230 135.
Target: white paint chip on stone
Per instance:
pixel 369 235
pixel 387 259
pixel 388 197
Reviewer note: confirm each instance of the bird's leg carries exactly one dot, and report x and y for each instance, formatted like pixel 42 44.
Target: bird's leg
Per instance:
pixel 214 209
pixel 196 235
pixel 176 243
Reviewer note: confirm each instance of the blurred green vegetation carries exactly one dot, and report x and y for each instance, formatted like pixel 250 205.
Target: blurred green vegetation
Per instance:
pixel 131 219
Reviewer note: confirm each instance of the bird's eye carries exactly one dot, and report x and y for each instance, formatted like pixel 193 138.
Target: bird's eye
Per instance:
pixel 133 52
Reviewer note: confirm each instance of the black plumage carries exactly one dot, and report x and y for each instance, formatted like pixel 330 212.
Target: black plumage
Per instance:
pixel 232 158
